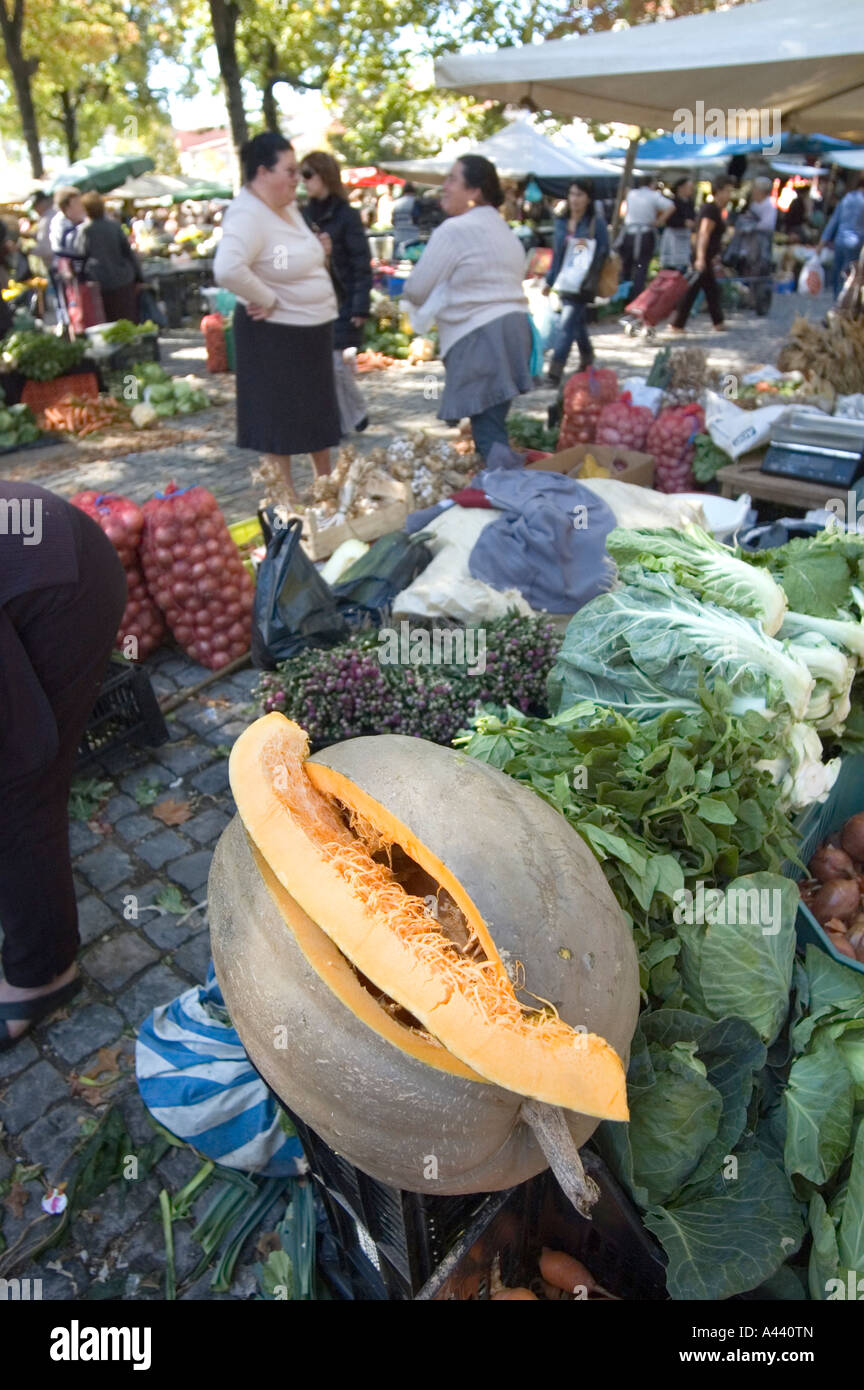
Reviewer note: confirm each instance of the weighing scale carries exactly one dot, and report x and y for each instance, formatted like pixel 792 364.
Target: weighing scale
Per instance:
pixel 816 448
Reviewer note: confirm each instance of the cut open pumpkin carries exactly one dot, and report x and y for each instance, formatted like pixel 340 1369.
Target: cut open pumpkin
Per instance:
pixel 353 869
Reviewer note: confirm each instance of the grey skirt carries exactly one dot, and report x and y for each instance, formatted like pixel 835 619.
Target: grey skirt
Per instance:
pixel 490 365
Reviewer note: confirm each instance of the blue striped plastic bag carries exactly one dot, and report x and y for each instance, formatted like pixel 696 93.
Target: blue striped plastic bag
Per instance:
pixel 196 1080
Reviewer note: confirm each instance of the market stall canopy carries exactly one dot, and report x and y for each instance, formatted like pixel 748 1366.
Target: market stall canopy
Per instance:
pixel 672 152
pixel 152 188
pixel 102 175
pixel 849 159
pixel 368 177
pixel 198 191
pixel 801 171
pixel 516 151
pixel 788 56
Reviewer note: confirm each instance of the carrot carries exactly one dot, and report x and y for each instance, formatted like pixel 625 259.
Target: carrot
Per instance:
pixel 514 1295
pixel 563 1272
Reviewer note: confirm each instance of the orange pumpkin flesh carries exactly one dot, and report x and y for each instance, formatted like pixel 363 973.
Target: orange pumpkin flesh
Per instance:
pixel 462 997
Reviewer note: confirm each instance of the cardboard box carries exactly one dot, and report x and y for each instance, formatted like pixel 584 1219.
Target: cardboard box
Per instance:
pixel 639 470
pixel 320 542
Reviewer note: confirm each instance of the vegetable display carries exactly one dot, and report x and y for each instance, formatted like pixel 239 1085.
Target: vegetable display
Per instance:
pixel 529 433
pixel 40 356
pixel 708 459
pixel 123 521
pixel 17 425
pixel 670 439
pixel 624 425
pixel 347 690
pixel 691 831
pixel 421 1034
pixel 833 893
pixel 82 416
pixel 584 395
pixel 124 331
pixel 195 574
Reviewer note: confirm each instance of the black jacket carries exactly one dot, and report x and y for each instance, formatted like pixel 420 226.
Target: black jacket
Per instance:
pixel 350 263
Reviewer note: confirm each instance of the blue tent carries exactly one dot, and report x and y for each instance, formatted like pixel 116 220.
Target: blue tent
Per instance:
pixel 670 151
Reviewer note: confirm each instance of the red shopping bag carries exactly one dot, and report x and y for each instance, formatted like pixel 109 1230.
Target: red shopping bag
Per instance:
pixel 660 298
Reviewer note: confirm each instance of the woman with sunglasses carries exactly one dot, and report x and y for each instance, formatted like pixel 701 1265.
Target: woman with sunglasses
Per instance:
pixel 329 211
pixel 283 324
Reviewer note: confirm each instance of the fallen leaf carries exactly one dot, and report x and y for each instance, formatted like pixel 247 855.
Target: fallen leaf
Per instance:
pixel 107 1059
pixel 172 812
pixel 17 1200
pixel 268 1241
pixel 100 827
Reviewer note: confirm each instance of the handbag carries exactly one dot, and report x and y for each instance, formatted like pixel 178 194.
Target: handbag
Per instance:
pixel 609 277
pixel 578 258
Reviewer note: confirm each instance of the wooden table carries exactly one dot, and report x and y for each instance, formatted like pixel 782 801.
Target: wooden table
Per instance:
pixel 745 476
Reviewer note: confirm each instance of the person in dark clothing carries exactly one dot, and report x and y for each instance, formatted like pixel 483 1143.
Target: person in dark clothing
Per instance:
pixel 329 212
pixel 709 235
pixel 675 237
pixel 583 220
pixel 62 595
pixel 110 260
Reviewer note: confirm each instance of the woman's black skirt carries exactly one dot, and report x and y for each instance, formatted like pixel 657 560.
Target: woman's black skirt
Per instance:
pixel 286 393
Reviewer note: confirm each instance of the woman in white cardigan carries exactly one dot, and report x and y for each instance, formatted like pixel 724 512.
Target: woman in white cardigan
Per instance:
pixel 283 324
pixel 471 273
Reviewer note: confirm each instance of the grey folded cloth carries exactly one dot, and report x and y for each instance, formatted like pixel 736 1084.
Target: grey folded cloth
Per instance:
pixel 551 542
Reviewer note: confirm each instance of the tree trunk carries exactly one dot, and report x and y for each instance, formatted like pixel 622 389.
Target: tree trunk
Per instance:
pixel 625 181
pixel 224 15
pixel 69 122
pixel 269 109
pixel 21 70
pixel 269 106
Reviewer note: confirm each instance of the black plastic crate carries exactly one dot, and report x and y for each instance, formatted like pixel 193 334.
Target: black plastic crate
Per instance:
pixel 126 711
pixel 391 1241
pixel 512 1228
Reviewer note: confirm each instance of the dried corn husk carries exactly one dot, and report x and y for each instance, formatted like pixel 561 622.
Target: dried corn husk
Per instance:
pixel 833 351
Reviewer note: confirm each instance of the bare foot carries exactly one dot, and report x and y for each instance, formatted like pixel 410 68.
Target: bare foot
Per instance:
pixel 10 993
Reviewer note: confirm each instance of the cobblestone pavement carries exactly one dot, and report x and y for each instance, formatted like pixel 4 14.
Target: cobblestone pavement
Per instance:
pixel 400 399
pixel 116 1248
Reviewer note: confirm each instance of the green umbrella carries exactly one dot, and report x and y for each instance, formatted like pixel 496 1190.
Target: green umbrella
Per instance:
pixel 101 174
pixel 197 191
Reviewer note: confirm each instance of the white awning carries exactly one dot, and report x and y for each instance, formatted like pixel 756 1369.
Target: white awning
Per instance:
pixel 801 60
pixel 517 150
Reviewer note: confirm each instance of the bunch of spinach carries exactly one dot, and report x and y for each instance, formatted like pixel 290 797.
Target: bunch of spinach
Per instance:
pixel 666 804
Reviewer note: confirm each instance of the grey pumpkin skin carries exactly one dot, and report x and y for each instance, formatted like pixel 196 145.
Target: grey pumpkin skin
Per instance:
pixel 403 1122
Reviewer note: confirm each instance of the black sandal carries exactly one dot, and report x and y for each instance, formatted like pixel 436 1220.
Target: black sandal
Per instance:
pixel 35 1010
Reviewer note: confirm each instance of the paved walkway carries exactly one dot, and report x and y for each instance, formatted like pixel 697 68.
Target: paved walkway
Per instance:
pixel 124 855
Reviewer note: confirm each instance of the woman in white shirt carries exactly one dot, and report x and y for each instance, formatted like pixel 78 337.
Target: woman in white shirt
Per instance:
pixel 471 274
pixel 283 324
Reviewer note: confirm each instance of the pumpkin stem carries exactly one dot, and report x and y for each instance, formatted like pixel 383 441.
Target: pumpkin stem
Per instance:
pixel 556 1141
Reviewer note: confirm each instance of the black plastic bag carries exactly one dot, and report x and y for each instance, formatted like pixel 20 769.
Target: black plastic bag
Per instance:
pixel 294 607
pixel 368 587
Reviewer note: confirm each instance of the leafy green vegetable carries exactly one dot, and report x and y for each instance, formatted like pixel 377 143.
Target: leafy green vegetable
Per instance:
pixel 40 356
pixel 708 459
pixel 819 1101
pixel 530 433
pixel 695 560
pixel 733 1236
pixel 739 961
pixel 661 634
